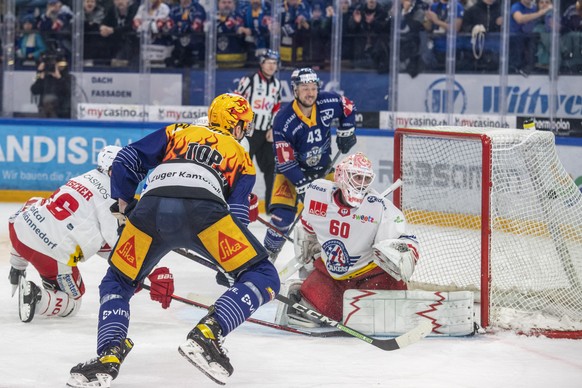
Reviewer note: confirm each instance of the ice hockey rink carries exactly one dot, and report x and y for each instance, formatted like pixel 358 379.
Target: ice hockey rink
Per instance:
pixel 41 353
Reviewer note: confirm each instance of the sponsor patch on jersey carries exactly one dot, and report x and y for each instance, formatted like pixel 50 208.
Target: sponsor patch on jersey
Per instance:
pixel 227 243
pixel 75 257
pixel 318 208
pixel 284 152
pixel 363 218
pixel 229 247
pixel 348 106
pixel 131 250
pixel 284 190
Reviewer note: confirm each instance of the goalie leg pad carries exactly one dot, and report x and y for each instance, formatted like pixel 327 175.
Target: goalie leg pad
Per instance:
pixel 393 313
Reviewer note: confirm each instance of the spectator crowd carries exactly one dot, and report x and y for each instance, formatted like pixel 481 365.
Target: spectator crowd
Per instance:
pixel 172 33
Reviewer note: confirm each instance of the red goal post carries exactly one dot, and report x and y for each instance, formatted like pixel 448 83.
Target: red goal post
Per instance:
pixel 495 213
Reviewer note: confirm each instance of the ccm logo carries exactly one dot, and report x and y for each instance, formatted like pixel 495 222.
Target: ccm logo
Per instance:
pixel 318 208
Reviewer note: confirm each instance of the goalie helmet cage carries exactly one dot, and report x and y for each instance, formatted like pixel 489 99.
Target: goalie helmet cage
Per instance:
pixel 496 213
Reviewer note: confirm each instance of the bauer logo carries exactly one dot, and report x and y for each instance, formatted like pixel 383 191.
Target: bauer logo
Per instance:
pixel 437 97
pixel 318 208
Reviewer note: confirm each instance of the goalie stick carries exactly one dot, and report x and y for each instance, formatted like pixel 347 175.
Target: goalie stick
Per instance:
pixel 191 302
pixel 408 338
pixel 294 264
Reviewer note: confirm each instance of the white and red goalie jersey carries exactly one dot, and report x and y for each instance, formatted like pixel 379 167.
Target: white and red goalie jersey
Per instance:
pixel 347 234
pixel 73 224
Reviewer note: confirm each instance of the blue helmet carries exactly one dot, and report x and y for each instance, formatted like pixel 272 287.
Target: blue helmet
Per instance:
pixel 304 75
pixel 269 54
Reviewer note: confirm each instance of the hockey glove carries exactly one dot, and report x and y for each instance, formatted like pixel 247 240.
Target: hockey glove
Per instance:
pixel 162 286
pixel 14 278
pixel 346 139
pixel 122 217
pixel 253 207
pixel 302 185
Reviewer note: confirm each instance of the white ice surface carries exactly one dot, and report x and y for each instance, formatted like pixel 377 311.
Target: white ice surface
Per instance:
pixel 41 353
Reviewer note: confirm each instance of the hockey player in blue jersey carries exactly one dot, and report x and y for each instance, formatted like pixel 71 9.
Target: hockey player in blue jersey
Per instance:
pixel 197 197
pixel 302 145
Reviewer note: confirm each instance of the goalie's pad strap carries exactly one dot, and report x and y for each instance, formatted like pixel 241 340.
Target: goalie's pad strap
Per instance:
pixel 391 313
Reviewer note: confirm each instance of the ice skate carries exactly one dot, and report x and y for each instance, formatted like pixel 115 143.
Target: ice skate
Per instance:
pixel 28 297
pixel 100 371
pixel 204 350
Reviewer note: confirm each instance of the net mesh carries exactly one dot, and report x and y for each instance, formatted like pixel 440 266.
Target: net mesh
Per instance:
pixel 535 223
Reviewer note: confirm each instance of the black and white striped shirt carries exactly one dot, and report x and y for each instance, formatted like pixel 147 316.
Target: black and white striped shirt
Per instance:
pixel 264 95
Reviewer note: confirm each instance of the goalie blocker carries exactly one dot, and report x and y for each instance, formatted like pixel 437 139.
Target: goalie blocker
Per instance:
pixel 391 313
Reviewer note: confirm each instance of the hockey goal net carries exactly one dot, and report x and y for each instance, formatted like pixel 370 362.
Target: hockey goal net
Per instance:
pixel 495 212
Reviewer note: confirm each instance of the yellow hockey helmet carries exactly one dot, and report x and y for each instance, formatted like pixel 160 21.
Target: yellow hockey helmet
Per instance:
pixel 227 110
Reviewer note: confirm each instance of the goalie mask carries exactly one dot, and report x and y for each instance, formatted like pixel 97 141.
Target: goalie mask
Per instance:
pixel 354 176
pixel 105 158
pixel 228 110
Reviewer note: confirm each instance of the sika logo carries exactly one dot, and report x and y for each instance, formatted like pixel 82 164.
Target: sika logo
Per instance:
pixel 229 247
pixel 317 208
pixel 127 251
pixel 284 191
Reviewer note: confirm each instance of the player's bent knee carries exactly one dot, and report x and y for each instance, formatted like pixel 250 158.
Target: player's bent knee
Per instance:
pixel 114 284
pixel 282 217
pixel 263 275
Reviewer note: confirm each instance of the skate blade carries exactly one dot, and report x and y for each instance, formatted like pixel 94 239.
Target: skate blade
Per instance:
pixel 213 371
pixel 25 310
pixel 79 381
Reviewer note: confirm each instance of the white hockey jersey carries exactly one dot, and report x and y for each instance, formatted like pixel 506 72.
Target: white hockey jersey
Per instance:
pixel 347 234
pixel 73 223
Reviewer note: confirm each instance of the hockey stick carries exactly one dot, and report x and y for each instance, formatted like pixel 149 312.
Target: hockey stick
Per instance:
pixel 410 337
pixel 298 217
pixel 272 325
pixel 294 264
pixel 275 229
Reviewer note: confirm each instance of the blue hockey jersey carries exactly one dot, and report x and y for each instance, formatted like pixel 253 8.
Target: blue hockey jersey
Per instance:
pixel 303 145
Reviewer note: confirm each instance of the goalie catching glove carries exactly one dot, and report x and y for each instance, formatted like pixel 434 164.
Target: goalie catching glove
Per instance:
pixel 396 257
pixel 162 286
